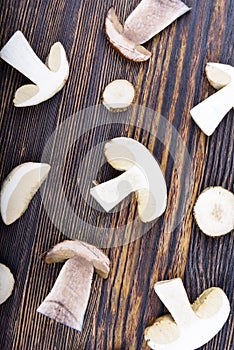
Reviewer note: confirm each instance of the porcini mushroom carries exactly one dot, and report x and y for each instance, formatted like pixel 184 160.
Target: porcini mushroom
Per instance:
pixel 209 113
pixel 6 283
pixel 148 19
pixel 48 79
pixel 142 175
pixel 214 211
pixel 18 189
pixel 189 326
pixel 118 95
pixel 68 299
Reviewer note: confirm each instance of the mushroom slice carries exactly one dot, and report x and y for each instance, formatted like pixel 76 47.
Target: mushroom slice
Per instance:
pixel 214 211
pixel 148 19
pixel 6 283
pixel 48 78
pixel 114 32
pixel 68 299
pixel 118 96
pixel 142 176
pixel 19 188
pixel 189 326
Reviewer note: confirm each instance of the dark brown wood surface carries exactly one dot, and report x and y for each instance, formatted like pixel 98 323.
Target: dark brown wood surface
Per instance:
pixel 171 83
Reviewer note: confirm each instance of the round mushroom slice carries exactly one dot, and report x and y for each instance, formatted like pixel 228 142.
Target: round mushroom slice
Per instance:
pixel 118 96
pixel 214 211
pixel 68 299
pixel 19 188
pixel 142 175
pixel 6 283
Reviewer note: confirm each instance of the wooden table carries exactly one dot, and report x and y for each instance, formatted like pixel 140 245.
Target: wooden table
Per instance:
pixel 171 83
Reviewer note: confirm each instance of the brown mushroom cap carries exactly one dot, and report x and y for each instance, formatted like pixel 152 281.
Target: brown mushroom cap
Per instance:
pixel 68 249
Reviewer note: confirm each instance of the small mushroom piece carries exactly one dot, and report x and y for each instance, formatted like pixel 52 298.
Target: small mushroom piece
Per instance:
pixel 148 19
pixel 142 175
pixel 18 189
pixel 118 96
pixel 6 283
pixel 48 79
pixel 209 113
pixel 214 211
pixel 68 299
pixel 189 326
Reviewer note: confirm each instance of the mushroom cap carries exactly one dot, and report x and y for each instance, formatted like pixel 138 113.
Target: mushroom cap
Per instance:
pixel 219 74
pixel 19 188
pixel 150 17
pixel 126 47
pixel 123 153
pixel 69 249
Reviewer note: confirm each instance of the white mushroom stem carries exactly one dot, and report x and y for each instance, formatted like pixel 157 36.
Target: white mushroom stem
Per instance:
pixel 174 297
pixel 19 54
pixel 112 192
pixel 188 326
pixel 209 113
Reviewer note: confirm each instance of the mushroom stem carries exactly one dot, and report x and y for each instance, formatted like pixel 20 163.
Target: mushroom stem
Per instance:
pixel 173 295
pixel 19 54
pixel 210 112
pixel 68 299
pixel 112 192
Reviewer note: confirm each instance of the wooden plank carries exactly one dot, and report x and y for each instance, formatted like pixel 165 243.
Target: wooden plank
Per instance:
pixel 170 83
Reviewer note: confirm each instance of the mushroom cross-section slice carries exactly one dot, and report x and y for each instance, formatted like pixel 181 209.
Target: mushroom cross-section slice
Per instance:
pixel 142 175
pixel 48 79
pixel 209 113
pixel 19 187
pixel 189 326
pixel 118 95
pixel 148 19
pixel 68 299
pixel 214 211
pixel 6 283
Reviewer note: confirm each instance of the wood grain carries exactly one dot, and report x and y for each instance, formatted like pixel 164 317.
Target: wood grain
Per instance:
pixel 171 83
